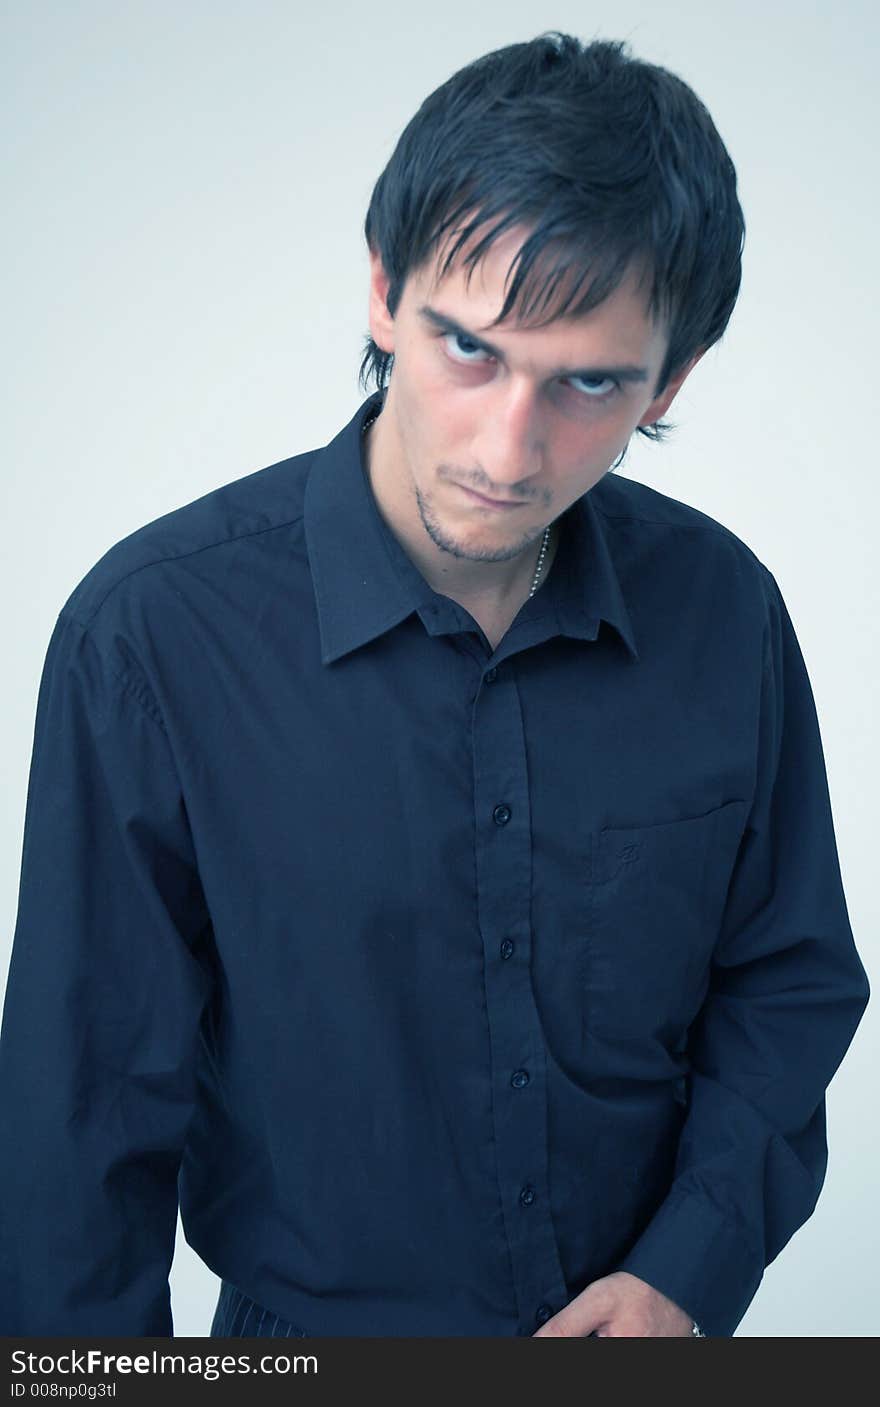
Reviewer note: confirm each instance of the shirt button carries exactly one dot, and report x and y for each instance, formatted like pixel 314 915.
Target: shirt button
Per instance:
pixel 491 675
pixel 527 1196
pixel 502 814
pixel 519 1079
pixel 543 1313
pixel 507 948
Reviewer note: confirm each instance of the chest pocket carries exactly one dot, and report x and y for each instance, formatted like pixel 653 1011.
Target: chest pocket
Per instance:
pixel 657 896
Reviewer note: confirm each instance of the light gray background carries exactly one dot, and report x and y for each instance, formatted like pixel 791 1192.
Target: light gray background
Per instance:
pixel 185 293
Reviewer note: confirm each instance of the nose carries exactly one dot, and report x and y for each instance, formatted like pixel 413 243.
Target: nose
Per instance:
pixel 509 445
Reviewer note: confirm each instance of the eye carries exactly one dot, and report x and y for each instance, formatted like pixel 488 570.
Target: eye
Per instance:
pixel 465 351
pixel 596 388
pixel 458 338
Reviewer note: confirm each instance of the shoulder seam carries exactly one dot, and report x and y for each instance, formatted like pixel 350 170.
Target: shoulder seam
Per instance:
pixel 181 556
pixel 718 528
pixel 659 523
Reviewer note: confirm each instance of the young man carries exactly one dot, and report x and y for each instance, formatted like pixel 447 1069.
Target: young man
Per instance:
pixel 429 877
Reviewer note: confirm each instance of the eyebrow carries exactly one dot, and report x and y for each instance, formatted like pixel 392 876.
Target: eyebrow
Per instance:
pixel 440 320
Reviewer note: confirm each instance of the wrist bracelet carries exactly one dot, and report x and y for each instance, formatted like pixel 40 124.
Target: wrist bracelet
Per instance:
pixel 696 1331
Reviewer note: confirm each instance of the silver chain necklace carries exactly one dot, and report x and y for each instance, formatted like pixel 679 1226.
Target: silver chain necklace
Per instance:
pixel 544 540
pixel 541 555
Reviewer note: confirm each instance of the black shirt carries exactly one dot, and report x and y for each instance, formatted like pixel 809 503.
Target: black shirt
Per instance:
pixel 438 981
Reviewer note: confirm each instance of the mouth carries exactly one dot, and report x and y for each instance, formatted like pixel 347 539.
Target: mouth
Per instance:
pixel 499 504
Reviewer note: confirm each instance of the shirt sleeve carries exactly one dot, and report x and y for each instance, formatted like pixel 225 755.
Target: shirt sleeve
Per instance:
pixel 103 1002
pixel 785 995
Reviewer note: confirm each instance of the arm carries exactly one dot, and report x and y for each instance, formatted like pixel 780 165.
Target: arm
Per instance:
pixel 784 997
pixel 102 1008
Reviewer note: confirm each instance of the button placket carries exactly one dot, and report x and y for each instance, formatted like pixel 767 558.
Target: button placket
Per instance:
pixel 503 869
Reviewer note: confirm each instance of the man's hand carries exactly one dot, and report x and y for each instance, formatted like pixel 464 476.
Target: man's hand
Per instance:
pixel 619 1306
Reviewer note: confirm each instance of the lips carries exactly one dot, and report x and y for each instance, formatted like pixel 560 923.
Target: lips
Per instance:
pixel 491 502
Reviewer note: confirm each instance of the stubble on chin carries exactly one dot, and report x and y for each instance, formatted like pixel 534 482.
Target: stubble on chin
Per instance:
pixel 442 539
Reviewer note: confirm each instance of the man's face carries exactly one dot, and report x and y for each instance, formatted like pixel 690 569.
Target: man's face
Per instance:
pixel 535 422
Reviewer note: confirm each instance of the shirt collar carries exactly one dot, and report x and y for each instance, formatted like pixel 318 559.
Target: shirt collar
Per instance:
pixel 365 583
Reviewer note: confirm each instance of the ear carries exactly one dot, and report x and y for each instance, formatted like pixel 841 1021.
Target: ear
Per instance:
pixel 381 321
pixel 661 403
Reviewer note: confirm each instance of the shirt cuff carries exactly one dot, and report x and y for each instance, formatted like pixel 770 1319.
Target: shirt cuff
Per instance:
pixel 700 1259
